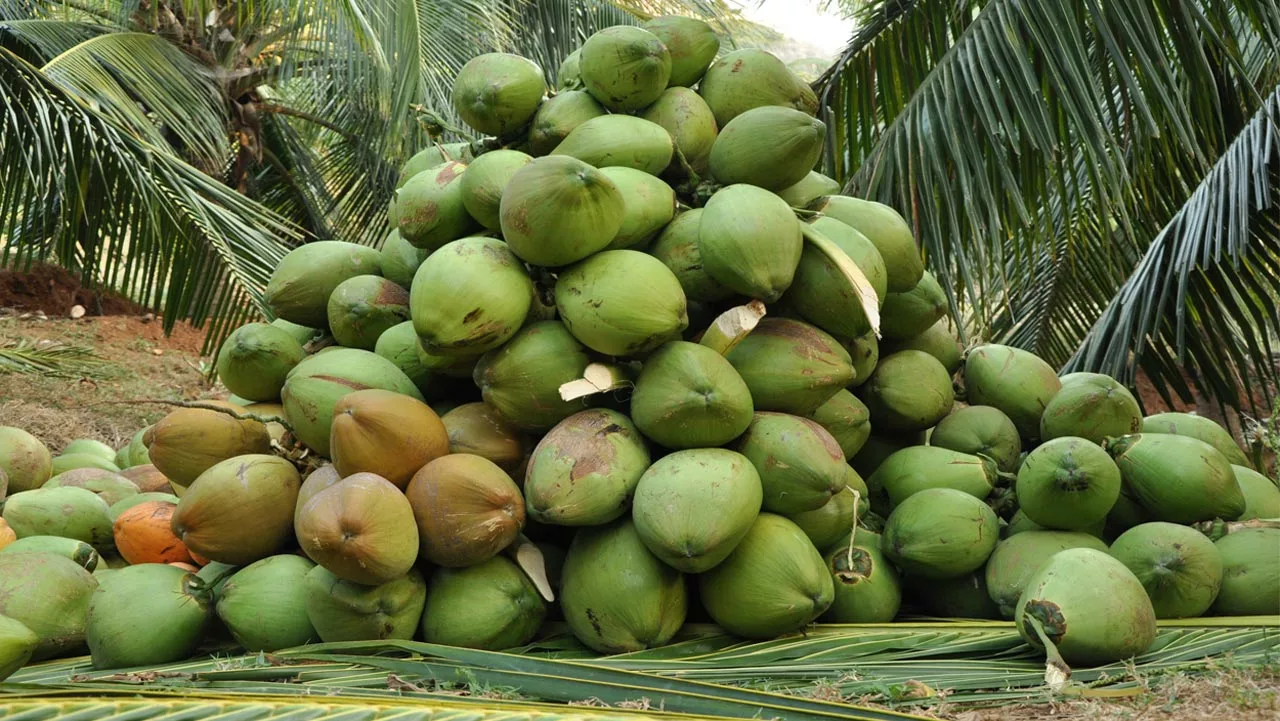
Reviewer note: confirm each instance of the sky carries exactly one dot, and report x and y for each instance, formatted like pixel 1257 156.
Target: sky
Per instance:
pixel 801 20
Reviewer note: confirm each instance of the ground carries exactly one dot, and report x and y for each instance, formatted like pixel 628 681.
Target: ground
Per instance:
pixel 139 363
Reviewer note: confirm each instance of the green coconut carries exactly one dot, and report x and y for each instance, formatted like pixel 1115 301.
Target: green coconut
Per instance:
pixel 469 297
pixel 616 595
pixel 72 461
pixel 1200 428
pixel 626 68
pixel 110 487
pixel 301 284
pixel 860 250
pixel 492 605
pixel 345 611
pixel 1179 567
pixel 1261 496
pixel 17 644
pixel 1177 478
pixel 1092 406
pixel 522 378
pixel 399 259
pixel 964 597
pixel 1068 484
pixel 1089 605
pixel 918 468
pixel 750 241
pixel 301 333
pixel 139 454
pixel 361 529
pixel 677 248
pixel 558 116
pixel 68 512
pixel 498 93
pixel 691 43
pixel 769 147
pixel 908 392
pixel 621 303
pixel 867 587
pixel 320 380
pixel 877 448
pixel 693 507
pixel 775 582
pixel 864 353
pixel 689 396
pixel 847 420
pixel 980 430
pixel 147 615
pixel 90 446
pixel 1019 523
pixel 483 183
pixel 79 551
pixel 790 366
pixel 814 185
pixel 800 465
pixel 1126 514
pixel 399 344
pixel 1018 557
pixel 752 78
pixel 363 307
pixel 569 74
pixel 821 292
pixel 239 510
pixel 825 526
pixel 49 594
pixel 480 430
pixel 648 205
pixel 557 210
pixel 690 123
pixel 619 141
pixel 255 359
pixel 429 208
pixel 1013 380
pixel 909 313
pixel 887 230
pixel 585 470
pixel 939 341
pixel 1250 573
pixel 940 533
pixel 433 155
pixel 264 604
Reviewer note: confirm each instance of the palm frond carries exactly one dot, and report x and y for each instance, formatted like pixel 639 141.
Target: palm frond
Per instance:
pixel 52 360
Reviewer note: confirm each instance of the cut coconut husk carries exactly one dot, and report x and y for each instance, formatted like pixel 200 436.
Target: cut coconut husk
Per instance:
pixel 67 512
pixel 558 116
pixel 731 327
pixel 107 485
pixel 1013 380
pixel 918 468
pixel 752 78
pixel 239 510
pixel 82 553
pixel 492 605
pixel 470 296
pixel 363 307
pixel 522 379
pixel 1068 483
pixel 1093 406
pixel 692 125
pixel 1261 495
pixel 626 68
pixel 769 147
pixel 264 604
pixel 691 43
pixel 585 470
pixel 361 528
pixel 344 611
pixel 790 366
pixel 800 465
pixel 690 396
pixel 619 141
pixel 1200 428
pixel 143 534
pixel 1180 567
pixel 1177 478
pixel 908 392
pixel 301 284
pixel 980 430
pixel 385 433
pixel 255 359
pixel 1250 573
pixel 830 290
pixel 467 510
pixel 940 533
pixel 498 93
pixel 887 230
pixel 146 615
pixel 189 441
pixel 750 241
pixel 1018 557
pixel 621 303
pixel 478 429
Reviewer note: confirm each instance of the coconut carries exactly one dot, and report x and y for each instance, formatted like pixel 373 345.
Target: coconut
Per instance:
pixel 867 587
pixel 1126 514
pixel 399 344
pixel 1179 567
pixel 1261 496
pixel 344 611
pixel 859 248
pixel 498 93
pixel 1019 523
pixel 569 74
pixel 585 470
pixel 147 615
pixel 399 259
pixel 938 340
pixel 769 147
pixel 887 230
pixel 301 284
pixel 691 43
pixel 1094 406
pixel 648 205
pixel 790 366
pixel 677 248
pixel 752 78
pixel 49 594
pixel 361 308
pixel 864 354
pixel 492 605
pixel 381 432
pixel 616 596
pixel 558 116
pixel 1068 483
pixel 1089 605
pixel 940 533
pixel 800 465
pixel 75 461
pixel 239 510
pixel 68 512
pixel 557 210
pixel 467 510
pixel 626 68
pixel 1200 428
pixel 483 183
pixel 918 468
pixel 264 604
pixel 108 486
pixel 619 141
pixel 750 241
pixel 821 292
pixel 522 379
pixel 361 528
pixel 980 430
pixel 256 357
pixel 144 534
pixel 909 313
pixel 827 525
pixel 847 420
pixel 691 508
pixel 318 382
pixel 964 597
pixel 90 446
pixel 429 208
pixel 774 582
pixel 478 429
pixel 908 392
pixel 315 482
pixel 1250 573
pixel 879 447
pixel 812 186
pixel 1013 380
pixel 431 156
pixel 691 124
pixel 188 441
pixel 1177 478
pixel 1018 557
pixel 82 553
pixel 139 454
pixel 621 303
pixel 689 396
pixel 17 644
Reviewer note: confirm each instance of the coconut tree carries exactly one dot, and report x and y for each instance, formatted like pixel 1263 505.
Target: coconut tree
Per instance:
pixel 1093 181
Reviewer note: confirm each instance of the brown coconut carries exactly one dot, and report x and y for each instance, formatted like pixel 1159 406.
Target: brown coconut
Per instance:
pixel 467 508
pixel 361 529
pixel 479 429
pixel 385 433
pixel 148 479
pixel 240 510
pixel 189 441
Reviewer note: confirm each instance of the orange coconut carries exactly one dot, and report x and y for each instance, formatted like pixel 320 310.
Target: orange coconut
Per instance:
pixel 143 535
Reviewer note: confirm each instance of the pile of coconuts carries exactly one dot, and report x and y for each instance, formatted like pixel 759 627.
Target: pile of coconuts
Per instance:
pixel 627 361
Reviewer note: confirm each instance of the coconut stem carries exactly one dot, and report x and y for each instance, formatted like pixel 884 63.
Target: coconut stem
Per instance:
pixel 853 530
pixel 1056 670
pixel 684 165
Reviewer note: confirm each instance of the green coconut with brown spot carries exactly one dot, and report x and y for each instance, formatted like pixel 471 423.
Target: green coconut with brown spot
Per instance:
pixel 980 430
pixel 621 303
pixel 864 354
pixel 558 209
pixel 689 396
pixel 69 512
pixel 110 487
pixel 49 594
pixel 469 297
pixel 626 68
pixel 1091 406
pixel 585 470
pixel 558 116
pixel 400 259
pixel 522 378
pixel 691 43
pixel 791 366
pixel 752 78
pixel 800 464
pixel 430 207
pixel 363 307
pixel 486 178
pixel 908 392
pixel 498 93
pixel 301 284
pixel 847 419
pixel 769 147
